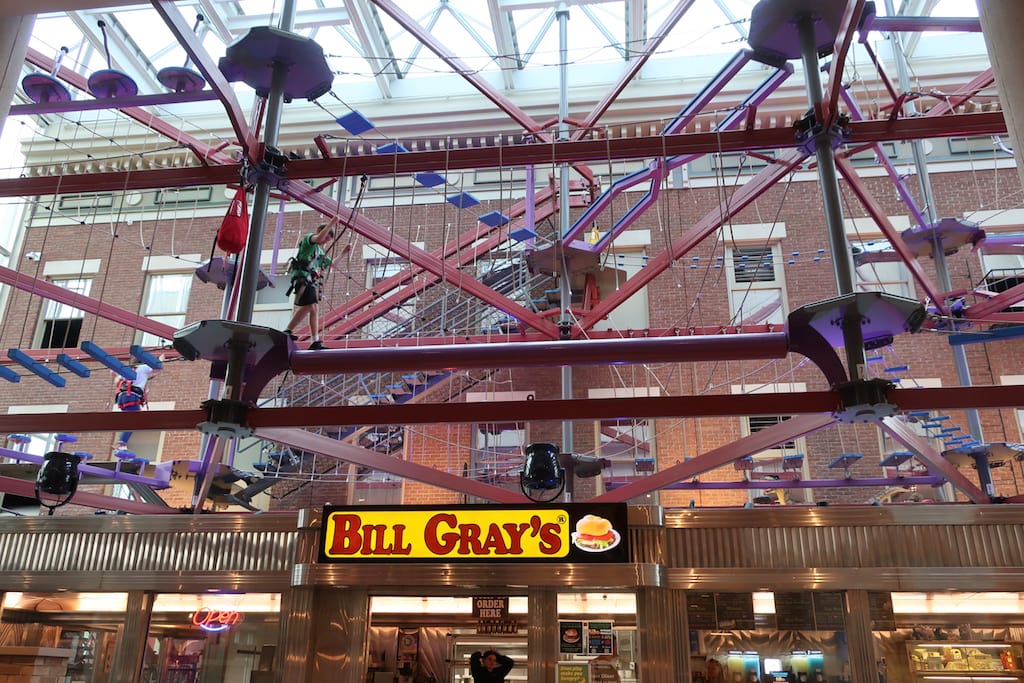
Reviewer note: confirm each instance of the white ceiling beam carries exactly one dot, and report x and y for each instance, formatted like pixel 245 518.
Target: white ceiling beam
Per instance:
pixel 375 45
pixel 636 26
pixel 513 5
pixel 125 54
pixel 508 51
pixel 305 19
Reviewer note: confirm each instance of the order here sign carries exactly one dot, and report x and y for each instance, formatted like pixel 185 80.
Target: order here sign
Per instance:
pixel 564 533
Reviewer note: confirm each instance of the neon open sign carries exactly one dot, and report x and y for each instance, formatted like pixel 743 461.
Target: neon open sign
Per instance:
pixel 215 620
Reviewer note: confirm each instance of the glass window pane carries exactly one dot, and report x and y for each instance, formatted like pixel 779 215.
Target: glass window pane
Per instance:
pixel 167 293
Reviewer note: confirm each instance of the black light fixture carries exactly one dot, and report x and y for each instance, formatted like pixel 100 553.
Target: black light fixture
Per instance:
pixel 58 476
pixel 542 479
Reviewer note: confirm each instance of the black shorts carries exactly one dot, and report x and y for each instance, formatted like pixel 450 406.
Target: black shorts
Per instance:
pixel 305 293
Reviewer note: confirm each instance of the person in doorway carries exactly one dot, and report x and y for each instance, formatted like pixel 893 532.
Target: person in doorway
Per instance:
pixel 489 666
pixel 713 671
pixel 306 271
pixel 131 396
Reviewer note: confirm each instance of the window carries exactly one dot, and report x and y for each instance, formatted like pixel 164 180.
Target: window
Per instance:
pixel 783 461
pixel 392 322
pixel 165 301
pixel 61 325
pixel 756 287
pixel 879 268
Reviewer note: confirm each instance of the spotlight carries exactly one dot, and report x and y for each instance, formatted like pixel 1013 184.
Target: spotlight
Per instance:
pixel 541 472
pixel 58 476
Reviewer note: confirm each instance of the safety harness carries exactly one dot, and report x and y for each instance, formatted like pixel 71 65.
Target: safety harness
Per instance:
pixel 130 396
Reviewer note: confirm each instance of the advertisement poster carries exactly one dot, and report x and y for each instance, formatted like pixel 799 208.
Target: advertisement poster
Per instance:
pixel 573 672
pixel 570 637
pixel 599 640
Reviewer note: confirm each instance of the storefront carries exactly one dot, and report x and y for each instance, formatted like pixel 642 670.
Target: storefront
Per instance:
pixel 915 594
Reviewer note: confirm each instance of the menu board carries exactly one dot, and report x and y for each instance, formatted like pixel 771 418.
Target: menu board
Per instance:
pixel 794 611
pixel 734 610
pixel 600 640
pixel 700 610
pixel 829 611
pixel 571 637
pixel 880 608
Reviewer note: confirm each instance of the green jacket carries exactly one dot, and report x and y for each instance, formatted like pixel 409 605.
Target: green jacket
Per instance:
pixel 309 260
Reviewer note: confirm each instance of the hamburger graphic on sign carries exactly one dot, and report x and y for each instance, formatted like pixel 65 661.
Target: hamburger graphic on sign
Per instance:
pixel 595 534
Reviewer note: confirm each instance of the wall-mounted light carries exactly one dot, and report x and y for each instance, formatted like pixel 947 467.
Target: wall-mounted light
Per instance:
pixel 58 476
pixel 542 478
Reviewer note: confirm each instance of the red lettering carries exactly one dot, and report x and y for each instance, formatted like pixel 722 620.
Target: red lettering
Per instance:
pixel 494 542
pixel 515 535
pixel 346 535
pixel 400 547
pixel 550 539
pixel 440 543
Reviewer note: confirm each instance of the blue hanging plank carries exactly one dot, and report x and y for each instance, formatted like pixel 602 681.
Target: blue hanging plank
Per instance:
pixel 355 123
pixel 108 360
pixel 845 460
pixel 522 234
pixel 462 200
pixel 494 219
pixel 143 356
pixel 391 148
pixel 430 179
pixel 9 375
pixel 72 365
pixel 896 458
pixel 23 359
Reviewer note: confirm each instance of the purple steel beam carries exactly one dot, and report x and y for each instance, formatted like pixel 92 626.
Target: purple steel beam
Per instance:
pixel 203 151
pixel 840 50
pixel 332 448
pixel 932 459
pixel 876 211
pixel 918 128
pixel 916 24
pixel 86 468
pixel 633 68
pixel 787 430
pixel 552 353
pixel 761 484
pixel 193 46
pixel 27 489
pixel 661 165
pixel 48 290
pixel 378 234
pixel 711 221
pixel 112 103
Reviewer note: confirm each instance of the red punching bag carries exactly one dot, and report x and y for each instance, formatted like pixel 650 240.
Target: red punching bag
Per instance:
pixel 234 229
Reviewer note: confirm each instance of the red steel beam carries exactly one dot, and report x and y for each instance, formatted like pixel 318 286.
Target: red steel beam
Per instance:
pixel 964 93
pixel 876 211
pixel 840 49
pixel 784 431
pixel 918 128
pixel 203 151
pixel 193 46
pixel 357 303
pixel 710 405
pixel 48 290
pixel 981 311
pixel 932 459
pixel 713 220
pixel 333 448
pixel 378 234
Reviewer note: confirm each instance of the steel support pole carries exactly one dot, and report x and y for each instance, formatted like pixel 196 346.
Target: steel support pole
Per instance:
pixel 842 260
pixel 963 371
pixel 565 286
pixel 261 198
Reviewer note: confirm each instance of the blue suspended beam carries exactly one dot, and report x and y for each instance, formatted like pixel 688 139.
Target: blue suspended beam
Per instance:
pixel 72 365
pixel 110 361
pixel 998 334
pixel 430 179
pixel 9 375
pixel 26 361
pixel 845 460
pixel 462 200
pixel 143 356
